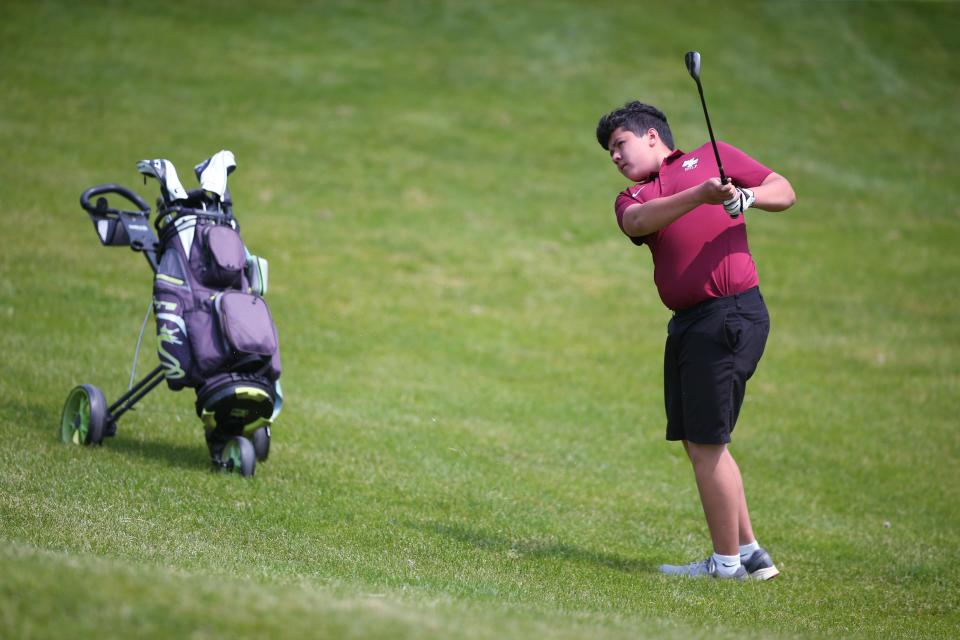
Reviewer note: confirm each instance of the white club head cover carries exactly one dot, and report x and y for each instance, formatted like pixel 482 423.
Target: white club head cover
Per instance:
pixel 212 172
pixel 166 173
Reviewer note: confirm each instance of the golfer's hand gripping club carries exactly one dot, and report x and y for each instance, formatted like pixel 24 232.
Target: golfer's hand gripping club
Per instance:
pixel 742 200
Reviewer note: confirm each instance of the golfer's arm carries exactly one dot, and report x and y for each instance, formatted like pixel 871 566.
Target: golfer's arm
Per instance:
pixel 774 194
pixel 643 219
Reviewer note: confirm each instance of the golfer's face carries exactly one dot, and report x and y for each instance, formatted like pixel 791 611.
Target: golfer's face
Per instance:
pixel 634 155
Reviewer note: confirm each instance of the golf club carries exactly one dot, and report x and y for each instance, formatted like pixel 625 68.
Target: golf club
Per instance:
pixel 693 66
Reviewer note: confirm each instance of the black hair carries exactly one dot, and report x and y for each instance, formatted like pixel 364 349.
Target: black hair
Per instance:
pixel 637 117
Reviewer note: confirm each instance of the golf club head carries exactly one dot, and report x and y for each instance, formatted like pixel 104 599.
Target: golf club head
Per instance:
pixel 693 64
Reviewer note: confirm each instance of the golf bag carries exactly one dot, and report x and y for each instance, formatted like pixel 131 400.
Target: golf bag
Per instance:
pixel 214 329
pixel 215 332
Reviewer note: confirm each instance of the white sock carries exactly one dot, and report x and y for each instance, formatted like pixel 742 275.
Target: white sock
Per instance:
pixel 747 549
pixel 726 565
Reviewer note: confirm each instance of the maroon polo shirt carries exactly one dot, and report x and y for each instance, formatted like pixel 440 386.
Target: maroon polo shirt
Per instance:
pixel 704 253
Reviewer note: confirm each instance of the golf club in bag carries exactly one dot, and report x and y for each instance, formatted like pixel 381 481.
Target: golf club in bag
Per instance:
pixel 215 333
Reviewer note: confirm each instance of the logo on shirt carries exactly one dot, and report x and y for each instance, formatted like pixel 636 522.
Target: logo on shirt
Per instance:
pixel 690 164
pixel 637 192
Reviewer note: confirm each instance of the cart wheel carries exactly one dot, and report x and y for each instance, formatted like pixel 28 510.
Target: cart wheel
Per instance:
pixel 84 416
pixel 238 455
pixel 261 443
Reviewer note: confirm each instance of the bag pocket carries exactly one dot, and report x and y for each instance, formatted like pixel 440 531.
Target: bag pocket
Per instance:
pixel 246 324
pixel 233 331
pixel 224 257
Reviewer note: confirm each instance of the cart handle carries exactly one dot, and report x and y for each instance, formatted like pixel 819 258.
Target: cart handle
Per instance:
pixel 101 189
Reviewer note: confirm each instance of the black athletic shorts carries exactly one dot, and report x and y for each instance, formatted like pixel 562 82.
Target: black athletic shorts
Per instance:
pixel 712 350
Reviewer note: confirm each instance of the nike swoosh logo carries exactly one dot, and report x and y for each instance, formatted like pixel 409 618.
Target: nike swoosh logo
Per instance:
pixel 637 192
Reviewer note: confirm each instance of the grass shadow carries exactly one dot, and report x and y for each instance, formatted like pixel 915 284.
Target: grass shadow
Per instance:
pixel 174 455
pixel 535 547
pixel 40 419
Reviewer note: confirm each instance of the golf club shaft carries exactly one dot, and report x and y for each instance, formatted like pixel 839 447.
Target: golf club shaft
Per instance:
pixel 713 141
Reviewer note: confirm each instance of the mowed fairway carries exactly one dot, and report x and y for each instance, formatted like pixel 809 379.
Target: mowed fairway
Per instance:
pixel 472 443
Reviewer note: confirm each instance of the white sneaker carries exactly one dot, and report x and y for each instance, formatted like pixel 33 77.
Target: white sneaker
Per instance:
pixel 702 569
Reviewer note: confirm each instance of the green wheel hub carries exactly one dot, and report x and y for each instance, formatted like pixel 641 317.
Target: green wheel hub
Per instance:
pixel 75 421
pixel 84 418
pixel 239 457
pixel 232 455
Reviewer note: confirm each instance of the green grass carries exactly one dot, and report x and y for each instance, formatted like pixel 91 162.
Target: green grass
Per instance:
pixel 472 444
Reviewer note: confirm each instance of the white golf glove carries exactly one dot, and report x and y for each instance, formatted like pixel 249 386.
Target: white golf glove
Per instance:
pixel 740 202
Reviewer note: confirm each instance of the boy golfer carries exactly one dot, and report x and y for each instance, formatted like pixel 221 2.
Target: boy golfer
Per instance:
pixel 705 274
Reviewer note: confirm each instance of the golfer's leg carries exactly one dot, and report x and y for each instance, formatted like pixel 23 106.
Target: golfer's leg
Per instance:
pixel 744 526
pixel 721 494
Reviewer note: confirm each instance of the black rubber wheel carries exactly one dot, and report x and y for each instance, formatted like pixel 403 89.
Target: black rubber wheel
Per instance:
pixel 261 443
pixel 84 416
pixel 239 456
